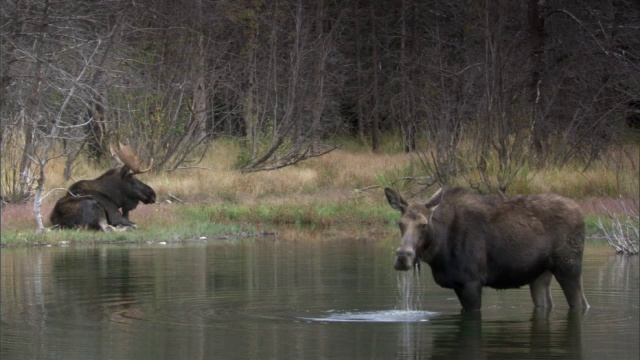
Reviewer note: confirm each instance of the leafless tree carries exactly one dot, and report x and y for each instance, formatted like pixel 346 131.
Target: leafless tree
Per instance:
pixel 463 82
pixel 48 65
pixel 285 101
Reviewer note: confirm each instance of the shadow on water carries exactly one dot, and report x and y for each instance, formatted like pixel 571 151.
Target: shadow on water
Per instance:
pixel 467 336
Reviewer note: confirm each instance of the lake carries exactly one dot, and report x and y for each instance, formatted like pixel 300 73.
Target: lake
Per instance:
pixel 271 299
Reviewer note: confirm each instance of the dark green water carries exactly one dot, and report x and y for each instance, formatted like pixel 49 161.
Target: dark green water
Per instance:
pixel 270 299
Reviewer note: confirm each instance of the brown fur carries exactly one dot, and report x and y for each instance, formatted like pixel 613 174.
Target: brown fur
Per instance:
pixel 471 241
pixel 96 204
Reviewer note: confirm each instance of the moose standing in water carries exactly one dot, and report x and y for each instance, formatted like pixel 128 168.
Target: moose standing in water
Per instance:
pixel 95 204
pixel 471 241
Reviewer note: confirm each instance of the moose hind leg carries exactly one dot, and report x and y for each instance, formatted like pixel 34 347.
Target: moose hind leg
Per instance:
pixel 571 285
pixel 540 293
pixel 94 216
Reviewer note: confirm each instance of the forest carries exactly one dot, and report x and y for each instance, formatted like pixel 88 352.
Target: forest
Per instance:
pixel 464 84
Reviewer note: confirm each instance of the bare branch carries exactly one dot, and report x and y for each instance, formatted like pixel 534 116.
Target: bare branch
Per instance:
pixel 623 231
pixel 288 160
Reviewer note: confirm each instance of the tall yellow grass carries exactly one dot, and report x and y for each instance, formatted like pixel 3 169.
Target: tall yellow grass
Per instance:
pixel 335 176
pixel 328 182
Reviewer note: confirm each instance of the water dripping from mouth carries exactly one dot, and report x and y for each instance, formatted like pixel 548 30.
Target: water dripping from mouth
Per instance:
pixel 408 299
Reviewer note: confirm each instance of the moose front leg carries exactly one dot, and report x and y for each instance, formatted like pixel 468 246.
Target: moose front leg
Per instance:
pixel 116 218
pixel 540 293
pixel 470 296
pixel 128 206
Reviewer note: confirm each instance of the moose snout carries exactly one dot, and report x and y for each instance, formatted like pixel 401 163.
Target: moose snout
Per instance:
pixel 150 198
pixel 404 259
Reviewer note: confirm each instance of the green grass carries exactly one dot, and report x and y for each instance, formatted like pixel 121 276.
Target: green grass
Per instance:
pixel 184 223
pixel 187 223
pixel 319 215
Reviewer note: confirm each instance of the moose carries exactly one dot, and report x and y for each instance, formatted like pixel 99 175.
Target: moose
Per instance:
pixel 471 241
pixel 95 204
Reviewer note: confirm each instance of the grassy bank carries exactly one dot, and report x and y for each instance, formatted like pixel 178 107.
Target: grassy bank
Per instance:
pixel 339 192
pixel 164 222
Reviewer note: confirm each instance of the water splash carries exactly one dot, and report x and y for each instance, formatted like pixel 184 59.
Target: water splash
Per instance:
pixel 374 316
pixel 407 310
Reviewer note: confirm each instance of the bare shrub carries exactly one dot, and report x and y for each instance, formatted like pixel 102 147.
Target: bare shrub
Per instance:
pixel 621 229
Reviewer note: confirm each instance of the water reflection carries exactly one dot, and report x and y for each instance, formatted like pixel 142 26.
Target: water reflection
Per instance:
pixel 467 336
pixel 290 300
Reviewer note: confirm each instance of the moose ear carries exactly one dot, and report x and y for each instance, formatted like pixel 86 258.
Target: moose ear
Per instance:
pixel 395 200
pixel 435 199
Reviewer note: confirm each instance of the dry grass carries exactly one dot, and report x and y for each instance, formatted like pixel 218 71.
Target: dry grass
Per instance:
pixel 18 216
pixel 615 175
pixel 337 172
pixel 324 181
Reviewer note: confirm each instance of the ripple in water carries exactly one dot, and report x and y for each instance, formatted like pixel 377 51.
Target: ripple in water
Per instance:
pixel 407 309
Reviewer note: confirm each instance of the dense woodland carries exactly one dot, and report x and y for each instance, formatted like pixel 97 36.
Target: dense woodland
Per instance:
pixel 462 83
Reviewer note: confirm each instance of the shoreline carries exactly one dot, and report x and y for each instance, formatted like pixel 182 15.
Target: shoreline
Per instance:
pixel 191 223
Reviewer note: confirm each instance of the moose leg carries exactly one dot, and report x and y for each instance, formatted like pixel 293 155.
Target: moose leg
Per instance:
pixel 100 216
pixel 105 226
pixel 571 285
pixel 94 216
pixel 540 292
pixel 470 296
pixel 116 218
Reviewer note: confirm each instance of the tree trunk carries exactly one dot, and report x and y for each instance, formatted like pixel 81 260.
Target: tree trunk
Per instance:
pixel 249 113
pixel 375 111
pixel 359 80
pixel 536 31
pixel 318 99
pixel 32 111
pixel 199 74
pixel 407 118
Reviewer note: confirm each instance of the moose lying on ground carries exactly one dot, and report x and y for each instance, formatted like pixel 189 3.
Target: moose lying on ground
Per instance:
pixel 471 241
pixel 95 204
